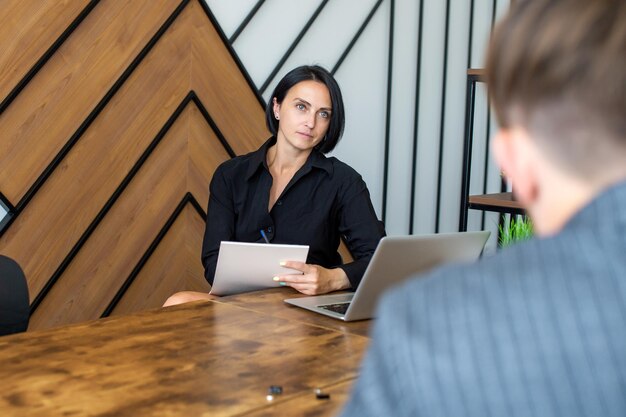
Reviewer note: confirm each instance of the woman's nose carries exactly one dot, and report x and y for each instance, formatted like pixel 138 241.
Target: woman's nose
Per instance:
pixel 310 121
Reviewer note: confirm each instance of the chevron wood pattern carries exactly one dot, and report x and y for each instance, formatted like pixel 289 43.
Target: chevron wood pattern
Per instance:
pixel 109 122
pixel 55 103
pixel 182 162
pixel 176 257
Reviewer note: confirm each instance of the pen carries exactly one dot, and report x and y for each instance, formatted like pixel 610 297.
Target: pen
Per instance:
pixel 264 236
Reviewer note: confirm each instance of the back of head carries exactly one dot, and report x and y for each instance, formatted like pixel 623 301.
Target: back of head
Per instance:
pixel 558 69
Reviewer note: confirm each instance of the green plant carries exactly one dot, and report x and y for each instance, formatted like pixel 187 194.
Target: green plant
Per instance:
pixel 519 228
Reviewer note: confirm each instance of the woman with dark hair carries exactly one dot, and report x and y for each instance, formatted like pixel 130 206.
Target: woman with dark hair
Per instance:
pixel 289 191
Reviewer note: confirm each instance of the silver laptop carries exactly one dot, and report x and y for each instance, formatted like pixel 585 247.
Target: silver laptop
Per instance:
pixel 396 258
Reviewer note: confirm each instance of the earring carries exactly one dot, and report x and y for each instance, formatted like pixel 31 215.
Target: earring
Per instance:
pixel 276 116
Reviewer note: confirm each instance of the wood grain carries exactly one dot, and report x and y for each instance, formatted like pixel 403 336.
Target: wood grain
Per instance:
pixel 271 302
pixel 174 266
pixel 108 257
pixel 496 200
pixel 189 56
pixel 476 71
pixel 54 104
pixel 346 256
pixel 240 114
pixel 70 200
pixel 27 29
pixel 128 229
pixel 205 358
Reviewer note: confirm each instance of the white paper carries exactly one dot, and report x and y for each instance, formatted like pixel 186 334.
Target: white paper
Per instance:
pixel 243 267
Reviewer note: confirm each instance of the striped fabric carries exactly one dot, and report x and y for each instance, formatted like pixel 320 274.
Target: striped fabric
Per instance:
pixel 537 330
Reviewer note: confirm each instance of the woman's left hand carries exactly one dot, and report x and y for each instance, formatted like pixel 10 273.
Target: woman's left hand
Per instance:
pixel 315 279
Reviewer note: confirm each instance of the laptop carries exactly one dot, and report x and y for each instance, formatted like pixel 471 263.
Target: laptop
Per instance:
pixel 395 259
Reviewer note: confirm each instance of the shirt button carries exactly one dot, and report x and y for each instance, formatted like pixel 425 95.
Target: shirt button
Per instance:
pixel 279 202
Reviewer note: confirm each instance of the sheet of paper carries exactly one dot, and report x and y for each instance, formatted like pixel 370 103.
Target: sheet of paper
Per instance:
pixel 243 267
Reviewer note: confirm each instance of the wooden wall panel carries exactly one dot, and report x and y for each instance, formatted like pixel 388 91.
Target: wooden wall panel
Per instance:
pixel 55 103
pixel 27 30
pixel 108 257
pixel 97 164
pixel 174 266
pixel 127 231
pixel 93 219
pixel 205 154
pixel 236 122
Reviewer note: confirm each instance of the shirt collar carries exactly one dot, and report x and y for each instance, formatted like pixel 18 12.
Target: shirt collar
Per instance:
pixel 258 159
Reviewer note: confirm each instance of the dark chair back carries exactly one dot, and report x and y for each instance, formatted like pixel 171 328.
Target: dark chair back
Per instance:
pixel 14 302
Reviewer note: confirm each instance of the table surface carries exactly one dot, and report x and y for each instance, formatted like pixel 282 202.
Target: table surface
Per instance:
pixel 205 358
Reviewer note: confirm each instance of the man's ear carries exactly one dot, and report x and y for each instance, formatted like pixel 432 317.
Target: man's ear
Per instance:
pixel 513 150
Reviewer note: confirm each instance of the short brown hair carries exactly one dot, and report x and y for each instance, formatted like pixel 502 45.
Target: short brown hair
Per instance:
pixel 558 68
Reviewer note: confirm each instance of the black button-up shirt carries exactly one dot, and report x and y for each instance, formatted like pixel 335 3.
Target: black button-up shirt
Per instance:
pixel 324 201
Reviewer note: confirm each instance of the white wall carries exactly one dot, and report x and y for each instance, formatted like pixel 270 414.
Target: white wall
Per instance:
pixel 363 77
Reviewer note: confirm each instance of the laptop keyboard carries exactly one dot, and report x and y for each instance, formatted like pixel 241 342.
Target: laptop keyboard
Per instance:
pixel 340 308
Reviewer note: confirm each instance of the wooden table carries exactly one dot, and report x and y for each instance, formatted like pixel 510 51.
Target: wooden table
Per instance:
pixel 199 359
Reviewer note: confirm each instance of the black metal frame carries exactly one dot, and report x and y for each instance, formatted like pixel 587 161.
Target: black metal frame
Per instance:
pixel 497 209
pixel 470 96
pixel 416 116
pixel 388 110
pixel 442 116
pixel 8 207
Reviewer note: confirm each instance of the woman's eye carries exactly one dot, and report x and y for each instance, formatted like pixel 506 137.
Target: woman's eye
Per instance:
pixel 324 115
pixel 300 106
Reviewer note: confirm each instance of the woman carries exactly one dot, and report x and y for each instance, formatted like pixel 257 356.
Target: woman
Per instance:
pixel 290 192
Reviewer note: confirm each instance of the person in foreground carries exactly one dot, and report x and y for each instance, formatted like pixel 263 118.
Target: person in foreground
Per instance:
pixel 538 329
pixel 289 191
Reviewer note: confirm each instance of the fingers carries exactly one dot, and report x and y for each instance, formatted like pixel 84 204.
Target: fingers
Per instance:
pixel 298 266
pixel 293 279
pixel 311 281
pixel 304 288
pixel 290 278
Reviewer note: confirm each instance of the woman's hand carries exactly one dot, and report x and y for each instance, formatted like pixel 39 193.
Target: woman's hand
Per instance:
pixel 315 279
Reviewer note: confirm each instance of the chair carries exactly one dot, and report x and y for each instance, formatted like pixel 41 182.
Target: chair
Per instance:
pixel 14 302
